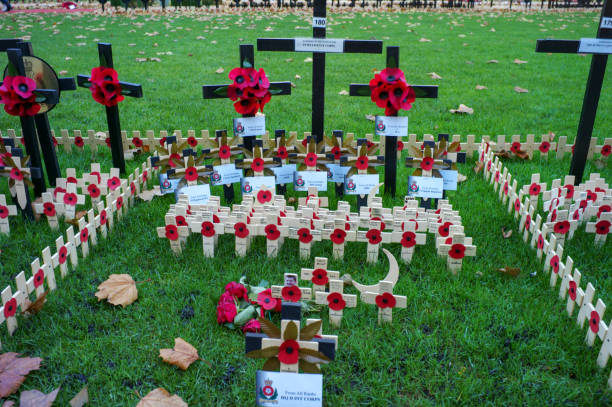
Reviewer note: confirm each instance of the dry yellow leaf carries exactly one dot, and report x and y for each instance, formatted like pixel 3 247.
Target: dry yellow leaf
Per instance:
pixel 161 398
pixel 80 399
pixel 119 289
pixel 183 354
pixel 463 109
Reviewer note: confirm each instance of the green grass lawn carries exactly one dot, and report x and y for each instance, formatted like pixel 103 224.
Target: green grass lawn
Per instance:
pixel 475 338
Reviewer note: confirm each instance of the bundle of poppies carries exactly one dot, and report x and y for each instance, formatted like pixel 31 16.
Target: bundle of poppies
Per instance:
pixel 250 90
pixel 105 87
pixel 17 95
pixel 390 90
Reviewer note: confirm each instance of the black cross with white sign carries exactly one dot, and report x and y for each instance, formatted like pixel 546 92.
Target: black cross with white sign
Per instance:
pixel 247 60
pixel 420 91
pixel 600 47
pixel 319 46
pixel 112 112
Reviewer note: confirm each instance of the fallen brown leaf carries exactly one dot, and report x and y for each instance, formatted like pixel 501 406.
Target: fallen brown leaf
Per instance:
pixel 13 371
pixel 370 117
pixel 462 109
pixel 161 398
pixel 506 233
pixel 461 177
pixel 33 308
pixel 343 92
pixel 220 70
pixel 480 87
pixel 434 75
pixel 492 61
pixel 518 89
pixel 478 167
pixel 147 195
pixel 519 62
pixel 424 40
pixel 183 354
pixel 35 398
pixel 502 154
pixel 80 399
pixel 510 271
pixel 9 403
pixel 119 289
pixel 289 60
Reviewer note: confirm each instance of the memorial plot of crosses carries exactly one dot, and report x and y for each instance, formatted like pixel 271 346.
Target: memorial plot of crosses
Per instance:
pixel 420 91
pixel 319 46
pixel 290 349
pixel 291 292
pixel 336 300
pixel 385 300
pixel 319 275
pixel 112 112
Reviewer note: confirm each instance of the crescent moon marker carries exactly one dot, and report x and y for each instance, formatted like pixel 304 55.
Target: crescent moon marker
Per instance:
pixel 372 193
pixel 392 275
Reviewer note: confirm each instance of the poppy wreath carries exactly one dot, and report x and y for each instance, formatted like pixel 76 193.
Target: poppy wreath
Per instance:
pixel 250 90
pixel 389 90
pixel 385 300
pixel 17 96
pixel 105 87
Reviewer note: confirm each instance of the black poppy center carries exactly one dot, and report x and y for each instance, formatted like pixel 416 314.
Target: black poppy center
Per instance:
pixel 244 102
pixel 23 87
pixel 289 350
pixel 239 79
pixel 383 95
pixel 110 87
pixel 397 92
pixel 336 301
pixel 10 307
pixel 384 300
pixel 267 300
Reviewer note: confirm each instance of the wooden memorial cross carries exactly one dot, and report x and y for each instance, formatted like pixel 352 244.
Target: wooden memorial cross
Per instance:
pixel 243 231
pixel 595 315
pixel 290 349
pixel 5 212
pixel 247 60
pixel 456 251
pixel 291 292
pixel 362 163
pixel 374 238
pixel 191 169
pixel 319 275
pixel 526 221
pixel 336 300
pixel 112 112
pixel 339 236
pixel 255 162
pixel 209 230
pixel 274 235
pixel 70 199
pixel 280 148
pixel 305 235
pixel 339 147
pixel 103 219
pixel 581 298
pixel 312 157
pixel 319 46
pixel 10 303
pixel 534 189
pixel 222 153
pixel 385 300
pixel 173 233
pixel 427 165
pixel 600 47
pixel 420 91
pixel 86 231
pixel 601 228
pixel 406 235
pixel 562 226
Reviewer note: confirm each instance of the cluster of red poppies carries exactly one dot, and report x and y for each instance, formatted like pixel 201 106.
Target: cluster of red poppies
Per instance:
pixel 17 95
pixel 227 308
pixel 249 90
pixel 390 90
pixel 105 87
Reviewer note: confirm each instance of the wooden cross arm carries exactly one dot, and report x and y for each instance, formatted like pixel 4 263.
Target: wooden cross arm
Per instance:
pixel 127 89
pixel 350 46
pixel 558 46
pixel 220 91
pixel 420 91
pixel 350 299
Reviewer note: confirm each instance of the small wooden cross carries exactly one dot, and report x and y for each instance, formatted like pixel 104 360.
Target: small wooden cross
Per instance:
pixel 274 234
pixel 5 212
pixel 291 292
pixel 312 157
pixel 209 230
pixel 339 236
pixel 16 169
pixel 408 238
pixel 191 170
pixel 601 228
pixel 255 163
pixel 534 189
pixel 456 251
pixel 562 226
pixel 362 163
pixel 173 233
pixel 104 218
pixel 319 275
pixel 313 199
pixel 594 314
pixel 305 236
pixel 336 301
pixel 85 230
pixel 374 237
pixel 70 199
pixel 385 300
pixel 243 231
pixel 10 303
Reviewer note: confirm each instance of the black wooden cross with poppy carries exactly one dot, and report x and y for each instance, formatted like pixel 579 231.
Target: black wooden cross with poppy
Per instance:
pixel 134 90
pixel 247 60
pixel 600 47
pixel 420 91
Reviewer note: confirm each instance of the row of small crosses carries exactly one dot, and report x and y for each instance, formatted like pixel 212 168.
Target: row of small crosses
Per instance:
pixel 586 201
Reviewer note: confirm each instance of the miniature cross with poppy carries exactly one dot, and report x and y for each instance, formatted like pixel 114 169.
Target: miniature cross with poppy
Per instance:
pixel 290 291
pixel 95 188
pixel 305 236
pixel 319 275
pixel 336 301
pixel 5 212
pixel 223 151
pixel 340 146
pixel 274 235
pixel 191 169
pixel 173 233
pixel 562 227
pixel 508 190
pixel 40 272
pixel 604 206
pixel 408 238
pixel 19 174
pixel 374 237
pixel 459 247
pixel 527 221
pixel 499 178
pixel 243 232
pixel 339 236
pixel 581 298
pixel 534 189
pixel 601 228
pixel 385 300
pixel 210 230
pixel 10 303
pixel 110 84
pixel 290 349
pixel 86 231
pixel 362 163
pixel 595 315
pixel 255 162
pixel 313 200
pixel 103 219
pixel 71 199
pixel 516 202
pixel 280 148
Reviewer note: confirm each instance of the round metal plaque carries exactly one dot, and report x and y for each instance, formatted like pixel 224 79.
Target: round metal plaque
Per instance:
pixel 44 76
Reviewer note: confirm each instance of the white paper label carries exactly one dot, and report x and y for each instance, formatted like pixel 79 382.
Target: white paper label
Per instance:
pixel 319 45
pixel 250 126
pixel 606 22
pixel 595 46
pixel 396 126
pixel 167 185
pixel 197 194
pixel 225 174
pixel 450 179
pixel 304 179
pixel 360 184
pixel 336 173
pixel 284 173
pixel 319 22
pixel 425 187
pixel 251 185
pixel 279 389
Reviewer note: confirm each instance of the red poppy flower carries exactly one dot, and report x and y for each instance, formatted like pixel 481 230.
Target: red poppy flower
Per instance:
pixel 602 227
pixel 591 196
pixel 603 209
pixel 562 227
pixel 572 289
pixel 311 160
pixel 583 204
pixel 336 302
pixel 408 240
pixel 392 75
pixel 553 215
pixel 373 236
pixel 192 141
pixel 247 105
pixel 534 189
pixel 540 243
pixel 573 149
pixel 103 217
pixel 544 147
pixel 113 183
pixel 132 188
pixel 119 202
pixel 305 142
pixel 385 300
pixel 191 174
pixel 180 220
pixel 606 150
pixel 527 222
pixel 62 254
pixel 337 236
pixel 71 180
pixel 224 152
pixel 281 152
pixel 84 235
pixel 457 251
pixel 576 215
pixel 401 96
pixel 70 199
pixel 54 141
pixel 444 229
pixel 291 293
pixel 107 93
pixel 266 300
pixel 319 277
pixel 22 86
pixel 336 152
pixel 244 77
pixel 101 74
pixel 137 142
pixel 288 353
pixel 145 176
pixel 174 159
pixel 78 141
pixel 427 163
pixel 16 174
pixel 10 308
pixel 22 108
pixel 506 188
pixel 515 147
pixel 208 229
pixel 497 176
pixel 517 205
pixel 172 232
pixel 304 235
pixel 569 191
pixel 108 142
pixel 272 232
pixel 264 196
pixel 554 263
pixel 382 224
pixel 162 141
pixel 362 162
pixel 39 278
pixel 594 322
pixel 241 230
pixel 257 165
pixel 93 190
pixel 49 209
pixel 400 145
pixel 4 212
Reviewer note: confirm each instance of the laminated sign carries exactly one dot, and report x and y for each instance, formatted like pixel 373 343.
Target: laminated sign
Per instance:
pixel 225 174
pixel 395 126
pixel 305 179
pixel 289 389
pixel 250 126
pixel 425 187
pixel 251 185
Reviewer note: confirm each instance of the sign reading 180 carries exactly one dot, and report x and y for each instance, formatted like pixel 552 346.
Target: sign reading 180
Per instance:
pixel 319 22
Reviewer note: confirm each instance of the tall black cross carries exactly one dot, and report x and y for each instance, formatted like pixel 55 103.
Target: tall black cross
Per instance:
pixel 319 46
pixel 600 47
pixel 112 112
pixel 247 60
pixel 16 67
pixel 420 91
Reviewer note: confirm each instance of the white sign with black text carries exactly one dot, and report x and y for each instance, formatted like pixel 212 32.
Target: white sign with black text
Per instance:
pixel 425 187
pixel 360 184
pixel 250 126
pixel 606 22
pixel 225 174
pixel 396 126
pixel 251 185
pixel 284 173
pixel 167 185
pixel 336 172
pixel 197 194
pixel 304 179
pixel 319 45
pixel 289 389
pixel 319 22
pixel 595 46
